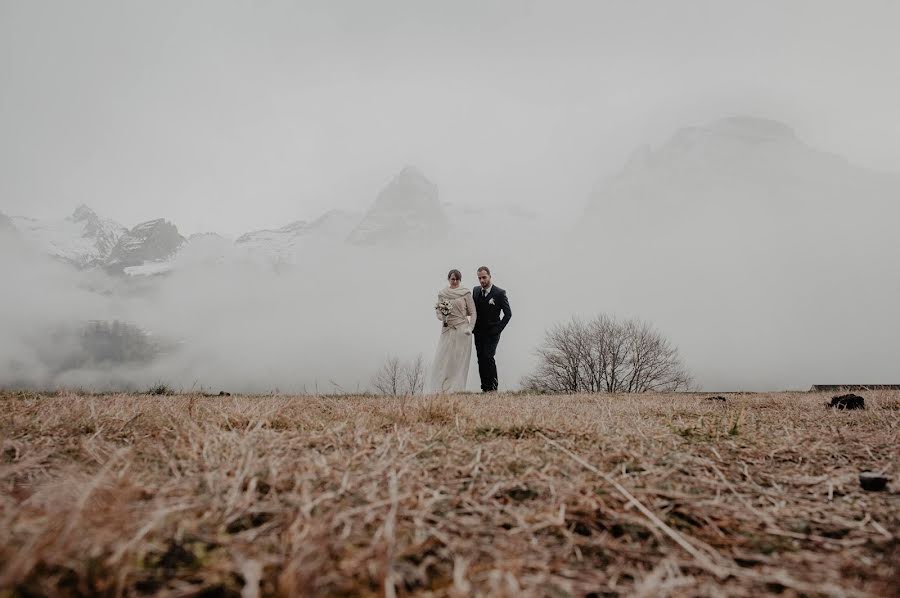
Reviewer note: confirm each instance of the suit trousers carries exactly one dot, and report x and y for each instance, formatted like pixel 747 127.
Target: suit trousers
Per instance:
pixel 486 348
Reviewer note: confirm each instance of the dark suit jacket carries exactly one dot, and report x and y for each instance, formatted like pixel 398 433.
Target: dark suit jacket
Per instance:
pixel 488 320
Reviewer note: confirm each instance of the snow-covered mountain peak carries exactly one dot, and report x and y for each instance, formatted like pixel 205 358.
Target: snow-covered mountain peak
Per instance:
pixel 412 175
pixel 408 187
pixel 104 232
pixel 406 209
pixel 150 241
pixel 285 244
pixel 82 239
pixel 82 213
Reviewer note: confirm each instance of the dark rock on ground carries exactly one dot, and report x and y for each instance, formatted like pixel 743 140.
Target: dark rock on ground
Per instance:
pixel 873 482
pixel 716 398
pixel 848 401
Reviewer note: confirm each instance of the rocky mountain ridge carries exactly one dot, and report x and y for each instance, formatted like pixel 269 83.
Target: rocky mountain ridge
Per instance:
pixel 745 172
pixel 406 210
pixel 734 180
pixel 82 239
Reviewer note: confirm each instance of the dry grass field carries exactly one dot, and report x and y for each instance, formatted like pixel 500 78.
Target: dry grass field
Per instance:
pixel 508 495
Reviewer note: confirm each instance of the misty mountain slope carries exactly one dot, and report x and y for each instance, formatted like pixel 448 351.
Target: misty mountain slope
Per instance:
pixel 737 168
pixel 82 239
pixel 745 195
pixel 751 247
pixel 199 251
pixel 407 209
pixel 105 233
pixel 148 242
pixel 287 242
pixel 285 246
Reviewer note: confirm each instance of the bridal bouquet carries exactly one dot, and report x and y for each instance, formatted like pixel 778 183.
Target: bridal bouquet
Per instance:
pixel 444 308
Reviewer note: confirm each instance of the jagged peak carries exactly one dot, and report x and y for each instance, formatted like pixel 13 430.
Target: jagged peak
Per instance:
pixel 411 176
pixel 410 171
pixel 407 208
pixel 151 241
pixel 408 183
pixel 82 213
pixel 160 227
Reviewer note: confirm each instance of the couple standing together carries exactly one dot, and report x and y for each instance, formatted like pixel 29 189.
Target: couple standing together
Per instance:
pixel 466 314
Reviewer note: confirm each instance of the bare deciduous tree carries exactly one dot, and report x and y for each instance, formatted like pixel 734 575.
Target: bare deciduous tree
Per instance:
pixel 388 379
pixel 396 378
pixel 652 362
pixel 607 355
pixel 414 373
pixel 560 360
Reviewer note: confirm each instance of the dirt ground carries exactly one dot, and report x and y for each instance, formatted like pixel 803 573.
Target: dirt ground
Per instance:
pixel 506 495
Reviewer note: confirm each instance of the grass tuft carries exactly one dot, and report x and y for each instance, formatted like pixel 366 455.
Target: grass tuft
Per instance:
pixel 160 389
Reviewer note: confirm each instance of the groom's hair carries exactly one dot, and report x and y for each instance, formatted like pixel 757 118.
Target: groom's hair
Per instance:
pixel 485 269
pixel 452 272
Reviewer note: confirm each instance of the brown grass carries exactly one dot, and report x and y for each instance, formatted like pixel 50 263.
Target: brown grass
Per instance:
pixel 465 495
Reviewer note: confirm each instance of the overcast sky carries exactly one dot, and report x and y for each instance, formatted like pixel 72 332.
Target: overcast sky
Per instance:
pixel 231 116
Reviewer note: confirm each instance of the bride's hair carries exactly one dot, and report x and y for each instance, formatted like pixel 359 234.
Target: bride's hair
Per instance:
pixel 452 272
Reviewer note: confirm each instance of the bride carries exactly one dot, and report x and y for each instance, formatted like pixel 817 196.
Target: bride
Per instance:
pixel 456 309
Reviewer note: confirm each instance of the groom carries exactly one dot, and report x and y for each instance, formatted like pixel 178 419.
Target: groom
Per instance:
pixel 489 302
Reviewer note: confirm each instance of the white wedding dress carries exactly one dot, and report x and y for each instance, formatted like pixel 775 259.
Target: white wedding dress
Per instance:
pixel 454 351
